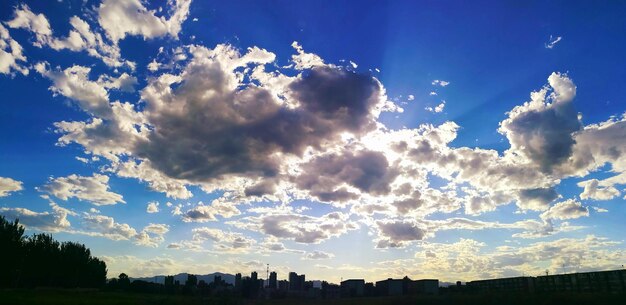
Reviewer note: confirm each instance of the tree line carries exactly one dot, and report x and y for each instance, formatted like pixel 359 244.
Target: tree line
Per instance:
pixel 41 261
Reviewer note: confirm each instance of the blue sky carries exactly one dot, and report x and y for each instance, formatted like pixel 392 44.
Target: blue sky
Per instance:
pixel 438 139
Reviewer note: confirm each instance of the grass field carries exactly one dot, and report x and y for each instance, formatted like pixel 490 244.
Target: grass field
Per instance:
pixel 88 297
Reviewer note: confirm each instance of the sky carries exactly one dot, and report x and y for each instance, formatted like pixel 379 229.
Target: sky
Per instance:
pixel 435 139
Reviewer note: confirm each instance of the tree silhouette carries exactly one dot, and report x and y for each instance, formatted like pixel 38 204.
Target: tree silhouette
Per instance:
pixel 11 239
pixel 40 260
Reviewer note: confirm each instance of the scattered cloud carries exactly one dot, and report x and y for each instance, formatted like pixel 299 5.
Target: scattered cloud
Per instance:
pixel 80 38
pixel 204 213
pixel 153 207
pixel 94 189
pixel 8 186
pixel 317 255
pixel 11 54
pixel 439 108
pixel 553 41
pixel 593 190
pixel 441 83
pixel 119 18
pixel 568 209
pixel 52 221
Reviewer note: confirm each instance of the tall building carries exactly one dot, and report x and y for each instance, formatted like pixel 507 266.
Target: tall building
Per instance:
pixel 273 280
pixel 296 282
pixel 302 281
pixel 238 281
pixel 293 280
pixel 254 276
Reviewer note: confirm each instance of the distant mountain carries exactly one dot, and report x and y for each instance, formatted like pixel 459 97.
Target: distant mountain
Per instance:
pixel 182 277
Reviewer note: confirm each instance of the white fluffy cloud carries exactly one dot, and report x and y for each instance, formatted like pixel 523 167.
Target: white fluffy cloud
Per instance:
pixel 105 226
pixel 300 228
pixel 153 207
pixel 568 209
pixel 439 108
pixel 80 38
pixel 441 83
pixel 222 240
pixel 315 255
pixel 11 57
pixel 8 186
pixel 120 18
pixel 53 221
pixel 593 190
pixel 204 213
pixel 94 189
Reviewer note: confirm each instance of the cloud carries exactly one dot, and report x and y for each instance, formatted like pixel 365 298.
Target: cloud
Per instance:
pixel 439 108
pixel 316 255
pixel 395 233
pixel 74 83
pixel 537 199
pixel 222 240
pixel 120 18
pixel 153 207
pixel 11 57
pixel 552 42
pixel 469 259
pixel 124 83
pixel 410 97
pixel 542 130
pixel 593 190
pixel 328 175
pixel 304 60
pixel 54 221
pixel 568 209
pixel 8 186
pixel 24 18
pixel 94 189
pixel 105 226
pixel 598 145
pixel 441 83
pixel 80 37
pixel 600 210
pixel 204 213
pixel 300 228
pixel 253 130
pixel 135 266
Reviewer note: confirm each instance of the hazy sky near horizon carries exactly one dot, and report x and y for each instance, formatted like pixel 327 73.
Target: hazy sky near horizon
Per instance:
pixel 435 139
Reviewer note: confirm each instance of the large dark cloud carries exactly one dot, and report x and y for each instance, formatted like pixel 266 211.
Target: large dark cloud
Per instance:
pixel 210 125
pixel 537 199
pixel 367 171
pixel 397 232
pixel 542 129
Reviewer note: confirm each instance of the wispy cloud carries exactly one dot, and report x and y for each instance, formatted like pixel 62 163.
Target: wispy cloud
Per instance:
pixel 553 41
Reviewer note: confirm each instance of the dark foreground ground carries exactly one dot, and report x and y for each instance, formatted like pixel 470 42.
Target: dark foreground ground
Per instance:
pixel 85 297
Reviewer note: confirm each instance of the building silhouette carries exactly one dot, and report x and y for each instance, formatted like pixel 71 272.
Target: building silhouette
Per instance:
pixel 613 281
pixel 296 282
pixel 390 287
pixel 353 288
pixel 273 280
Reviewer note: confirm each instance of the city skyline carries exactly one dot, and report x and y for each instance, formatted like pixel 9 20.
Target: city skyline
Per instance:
pixel 448 140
